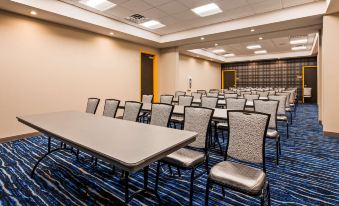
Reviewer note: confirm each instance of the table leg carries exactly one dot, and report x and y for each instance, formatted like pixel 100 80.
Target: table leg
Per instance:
pixel 146 177
pixel 126 187
pixel 49 144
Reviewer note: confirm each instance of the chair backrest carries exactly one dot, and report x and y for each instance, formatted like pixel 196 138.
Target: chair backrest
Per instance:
pixel 263 94
pixel 202 91
pixel 132 110
pixel 251 97
pixel 111 107
pixel 212 94
pixel 235 104
pixel 161 114
pixel 308 91
pixel 292 96
pixel 185 100
pixel 246 136
pixel 179 93
pixel 281 105
pixel 198 119
pixel 272 92
pixel 92 105
pixel 214 91
pixel 287 103
pixel 254 92
pixel 209 102
pixel 147 98
pixel 268 107
pixel 231 95
pixel 166 99
pixel 196 95
pixel 242 93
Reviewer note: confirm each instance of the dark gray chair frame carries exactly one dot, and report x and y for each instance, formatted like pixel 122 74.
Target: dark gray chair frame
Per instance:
pixel 193 176
pixel 210 182
pixel 166 95
pixel 117 107
pixel 96 107
pixel 139 108
pixel 169 118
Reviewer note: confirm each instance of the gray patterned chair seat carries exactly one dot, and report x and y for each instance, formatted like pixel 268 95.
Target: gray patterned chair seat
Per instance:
pixel 177 119
pixel 185 158
pixel 282 118
pixel 271 133
pixel 242 177
pixel 222 125
pixel 288 109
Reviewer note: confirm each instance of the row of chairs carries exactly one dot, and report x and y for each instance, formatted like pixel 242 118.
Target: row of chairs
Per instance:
pixel 241 146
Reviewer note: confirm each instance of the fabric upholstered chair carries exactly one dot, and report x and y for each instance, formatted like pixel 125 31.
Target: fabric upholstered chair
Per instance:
pixel 263 94
pixel 212 94
pixel 271 93
pixel 287 104
pixel 196 95
pixel 183 101
pixel 251 97
pixel 246 143
pixel 179 93
pixel 231 95
pixel 92 105
pixel 243 93
pixel 132 110
pixel 111 107
pixel 147 98
pixel 161 114
pixel 203 92
pixel 197 119
pixel 209 102
pixel 166 99
pixel 270 107
pixel 281 115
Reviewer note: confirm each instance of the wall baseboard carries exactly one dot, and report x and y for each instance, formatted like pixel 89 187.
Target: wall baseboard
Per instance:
pixel 17 137
pixel 331 134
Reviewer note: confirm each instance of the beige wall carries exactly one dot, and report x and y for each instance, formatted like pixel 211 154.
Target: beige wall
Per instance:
pixel 330 74
pixel 167 70
pixel 47 67
pixel 205 74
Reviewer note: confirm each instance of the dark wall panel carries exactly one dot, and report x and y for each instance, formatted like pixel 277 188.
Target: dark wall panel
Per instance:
pixel 271 73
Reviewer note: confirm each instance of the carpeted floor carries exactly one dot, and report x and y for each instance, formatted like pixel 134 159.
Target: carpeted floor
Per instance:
pixel 308 174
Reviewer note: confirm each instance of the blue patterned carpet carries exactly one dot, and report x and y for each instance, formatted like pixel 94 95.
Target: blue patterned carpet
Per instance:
pixel 308 174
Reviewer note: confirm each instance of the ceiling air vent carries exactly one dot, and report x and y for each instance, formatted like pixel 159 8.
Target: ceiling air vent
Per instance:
pixel 137 19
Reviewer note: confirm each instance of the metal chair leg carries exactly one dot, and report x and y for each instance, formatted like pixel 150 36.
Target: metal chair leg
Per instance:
pixel 277 151
pixel 207 191
pixel 191 187
pixel 157 178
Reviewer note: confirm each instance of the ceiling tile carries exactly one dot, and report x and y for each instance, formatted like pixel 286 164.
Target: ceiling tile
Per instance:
pixel 136 5
pixel 186 15
pixel 231 4
pixel 157 2
pixel 119 11
pixel 289 3
pixel 266 6
pixel 194 3
pixel 153 13
pixel 173 7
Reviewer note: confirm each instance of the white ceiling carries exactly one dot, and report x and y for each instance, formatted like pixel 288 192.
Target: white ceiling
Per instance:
pixel 177 14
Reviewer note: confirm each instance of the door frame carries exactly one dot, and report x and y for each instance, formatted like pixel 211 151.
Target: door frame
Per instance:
pixel 222 77
pixel 303 78
pixel 155 74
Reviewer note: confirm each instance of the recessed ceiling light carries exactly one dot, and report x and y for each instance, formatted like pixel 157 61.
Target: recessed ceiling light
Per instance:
pixel 216 44
pixel 298 41
pixel 202 38
pixel 152 24
pixel 261 38
pixel 219 51
pixel 297 48
pixel 229 55
pixel 207 10
pixel 252 30
pixel 260 52
pixel 33 13
pixel 101 5
pixel 111 33
pixel 254 46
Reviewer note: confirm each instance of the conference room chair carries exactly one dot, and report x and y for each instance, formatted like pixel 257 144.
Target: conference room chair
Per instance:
pixel 131 111
pixel 183 100
pixel 231 104
pixel 242 93
pixel 145 99
pixel 209 102
pixel 281 114
pixel 203 92
pixel 92 105
pixel 179 93
pixel 263 94
pixel 287 104
pixel 270 107
pixel 214 91
pixel 254 92
pixel 166 99
pixel 161 114
pixel 251 97
pixel 197 119
pixel 271 93
pixel 111 107
pixel 307 92
pixel 292 101
pixel 196 95
pixel 212 94
pixel 230 95
pixel 246 143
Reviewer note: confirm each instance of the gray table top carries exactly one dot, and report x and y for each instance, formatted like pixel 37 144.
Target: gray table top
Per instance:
pixel 128 145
